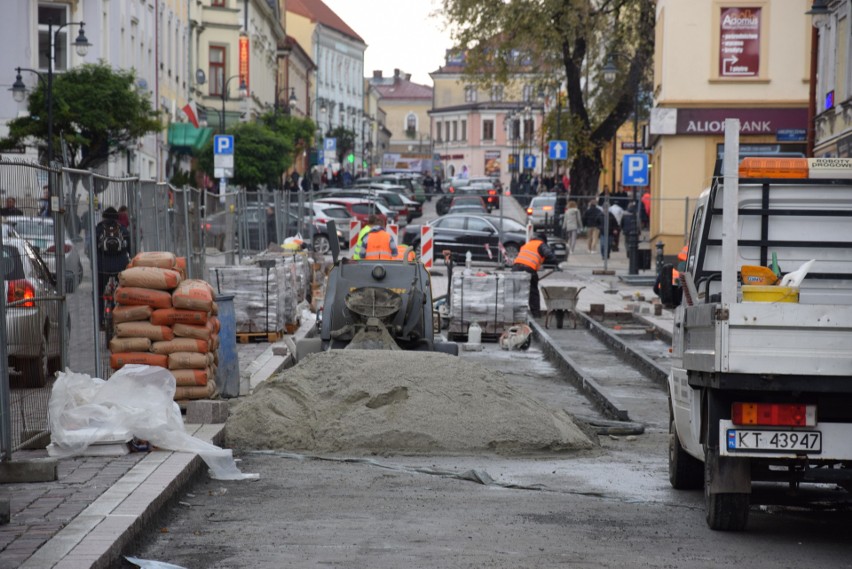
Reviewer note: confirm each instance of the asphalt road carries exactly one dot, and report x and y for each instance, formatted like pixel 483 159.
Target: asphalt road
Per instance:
pixel 612 507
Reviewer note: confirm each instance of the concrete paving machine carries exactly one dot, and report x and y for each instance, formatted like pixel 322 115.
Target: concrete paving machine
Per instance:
pixel 376 305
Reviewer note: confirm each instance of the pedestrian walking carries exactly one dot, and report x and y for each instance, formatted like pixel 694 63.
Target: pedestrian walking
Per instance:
pixel 572 224
pixel 593 220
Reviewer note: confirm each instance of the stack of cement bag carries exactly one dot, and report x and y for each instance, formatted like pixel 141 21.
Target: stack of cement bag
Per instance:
pixel 494 301
pixel 161 319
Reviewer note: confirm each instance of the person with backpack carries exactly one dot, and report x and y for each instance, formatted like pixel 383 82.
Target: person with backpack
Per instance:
pixel 112 242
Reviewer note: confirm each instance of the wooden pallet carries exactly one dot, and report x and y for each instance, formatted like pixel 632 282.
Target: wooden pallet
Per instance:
pixel 247 337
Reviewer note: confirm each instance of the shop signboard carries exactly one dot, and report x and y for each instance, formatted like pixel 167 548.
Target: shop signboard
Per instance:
pixel 492 162
pixel 739 42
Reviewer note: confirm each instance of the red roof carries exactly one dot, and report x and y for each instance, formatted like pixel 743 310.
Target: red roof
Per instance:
pixel 317 11
pixel 403 89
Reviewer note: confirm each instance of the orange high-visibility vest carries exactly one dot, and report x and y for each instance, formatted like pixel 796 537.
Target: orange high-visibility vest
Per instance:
pixel 378 245
pixel 405 252
pixel 529 256
pixel 680 257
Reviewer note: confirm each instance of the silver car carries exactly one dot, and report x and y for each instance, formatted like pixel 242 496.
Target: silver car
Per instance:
pixel 542 210
pixel 32 314
pixel 39 232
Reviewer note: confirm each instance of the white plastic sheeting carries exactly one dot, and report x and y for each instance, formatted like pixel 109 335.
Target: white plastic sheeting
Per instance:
pixel 137 400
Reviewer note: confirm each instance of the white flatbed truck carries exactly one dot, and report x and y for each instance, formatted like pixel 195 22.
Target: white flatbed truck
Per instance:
pixel 758 390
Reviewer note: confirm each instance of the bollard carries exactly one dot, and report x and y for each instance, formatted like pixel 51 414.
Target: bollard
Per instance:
pixel 660 245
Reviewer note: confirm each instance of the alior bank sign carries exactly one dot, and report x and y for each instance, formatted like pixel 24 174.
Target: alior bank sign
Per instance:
pixel 752 121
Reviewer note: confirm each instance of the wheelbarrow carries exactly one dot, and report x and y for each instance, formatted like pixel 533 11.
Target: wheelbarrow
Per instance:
pixel 561 301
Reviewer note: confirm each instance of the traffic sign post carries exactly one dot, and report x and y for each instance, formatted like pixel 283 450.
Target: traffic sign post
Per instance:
pixel 529 162
pixel 223 168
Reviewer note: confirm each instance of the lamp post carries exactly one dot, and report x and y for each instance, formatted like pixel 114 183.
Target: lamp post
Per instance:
pixel 243 93
pixel 610 71
pixel 81 46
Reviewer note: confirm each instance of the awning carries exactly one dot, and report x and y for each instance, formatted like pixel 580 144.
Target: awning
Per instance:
pixel 186 136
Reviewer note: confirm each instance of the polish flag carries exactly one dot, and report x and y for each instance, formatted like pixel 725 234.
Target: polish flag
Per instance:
pixel 191 113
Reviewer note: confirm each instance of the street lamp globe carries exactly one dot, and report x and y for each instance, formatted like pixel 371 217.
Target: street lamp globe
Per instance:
pixel 243 89
pixel 610 71
pixel 81 44
pixel 293 98
pixel 19 90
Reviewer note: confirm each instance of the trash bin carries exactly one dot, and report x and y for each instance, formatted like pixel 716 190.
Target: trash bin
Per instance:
pixel 228 374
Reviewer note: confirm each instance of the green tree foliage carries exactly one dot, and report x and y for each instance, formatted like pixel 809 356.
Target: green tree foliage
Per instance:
pixel 563 42
pixel 97 112
pixel 263 150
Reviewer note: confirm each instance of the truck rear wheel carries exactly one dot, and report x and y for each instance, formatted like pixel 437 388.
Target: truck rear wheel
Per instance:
pixel 685 471
pixel 726 511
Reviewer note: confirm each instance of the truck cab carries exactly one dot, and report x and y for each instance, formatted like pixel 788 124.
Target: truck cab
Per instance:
pixel 761 389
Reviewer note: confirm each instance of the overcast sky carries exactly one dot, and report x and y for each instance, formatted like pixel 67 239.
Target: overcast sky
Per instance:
pixel 398 33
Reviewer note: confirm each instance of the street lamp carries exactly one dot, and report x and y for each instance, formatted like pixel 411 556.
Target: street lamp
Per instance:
pixel 243 93
pixel 610 72
pixel 81 46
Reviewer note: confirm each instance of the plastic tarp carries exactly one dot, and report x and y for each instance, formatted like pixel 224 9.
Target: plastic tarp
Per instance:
pixel 495 301
pixel 138 400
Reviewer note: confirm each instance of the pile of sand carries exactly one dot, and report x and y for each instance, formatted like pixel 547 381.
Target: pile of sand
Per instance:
pixel 380 401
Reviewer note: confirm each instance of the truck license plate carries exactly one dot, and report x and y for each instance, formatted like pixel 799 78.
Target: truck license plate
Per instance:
pixel 774 441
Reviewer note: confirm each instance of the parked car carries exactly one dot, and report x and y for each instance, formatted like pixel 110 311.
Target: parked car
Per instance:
pixel 468 204
pixel 541 210
pixel 479 234
pixel 38 231
pixel 389 199
pixel 359 208
pixel 32 314
pixel 413 183
pixel 323 212
pixel 215 225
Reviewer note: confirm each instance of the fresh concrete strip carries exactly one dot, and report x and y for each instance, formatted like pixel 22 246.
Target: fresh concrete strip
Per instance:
pixel 599 396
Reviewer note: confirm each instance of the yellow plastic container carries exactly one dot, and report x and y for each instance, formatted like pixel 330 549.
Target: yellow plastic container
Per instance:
pixel 755 293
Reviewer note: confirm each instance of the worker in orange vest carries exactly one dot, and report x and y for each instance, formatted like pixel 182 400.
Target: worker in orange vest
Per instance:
pixel 532 256
pixel 680 257
pixel 406 253
pixel 378 244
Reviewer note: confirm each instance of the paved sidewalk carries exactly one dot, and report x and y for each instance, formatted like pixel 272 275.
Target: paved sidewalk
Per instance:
pixel 98 505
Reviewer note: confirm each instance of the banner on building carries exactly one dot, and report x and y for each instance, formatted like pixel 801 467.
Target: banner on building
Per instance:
pixel 739 42
pixel 492 162
pixel 244 62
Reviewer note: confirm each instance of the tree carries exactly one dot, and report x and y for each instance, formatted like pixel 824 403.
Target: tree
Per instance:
pixel 573 39
pixel 263 150
pixel 97 112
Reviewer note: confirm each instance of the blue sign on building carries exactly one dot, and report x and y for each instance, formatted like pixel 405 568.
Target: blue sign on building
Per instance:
pixel 634 171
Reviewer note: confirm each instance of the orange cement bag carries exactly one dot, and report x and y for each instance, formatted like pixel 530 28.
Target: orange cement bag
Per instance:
pixel 193 331
pixel 144 330
pixel 180 345
pixel 118 345
pixel 131 313
pixel 180 266
pixel 149 277
pixel 188 360
pixel 159 259
pixel 169 316
pixel 216 324
pixel 117 361
pixel 134 296
pixel 193 294
pixel 189 377
pixel 214 343
pixel 198 392
pixel 215 310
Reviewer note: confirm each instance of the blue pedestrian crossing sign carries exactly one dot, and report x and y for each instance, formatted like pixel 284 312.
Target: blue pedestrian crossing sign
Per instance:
pixel 529 162
pixel 223 144
pixel 557 149
pixel 330 145
pixel 634 170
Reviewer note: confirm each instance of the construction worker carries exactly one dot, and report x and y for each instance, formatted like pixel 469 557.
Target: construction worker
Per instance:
pixel 532 256
pixel 406 253
pixel 377 244
pixel 681 258
pixel 371 221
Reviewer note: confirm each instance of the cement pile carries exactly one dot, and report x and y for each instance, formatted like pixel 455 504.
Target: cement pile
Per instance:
pixel 384 401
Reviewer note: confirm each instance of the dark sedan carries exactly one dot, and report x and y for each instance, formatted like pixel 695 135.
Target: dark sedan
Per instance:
pixel 479 234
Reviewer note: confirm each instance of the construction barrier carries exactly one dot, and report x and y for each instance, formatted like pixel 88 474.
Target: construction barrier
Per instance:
pixel 354 230
pixel 394 230
pixel 426 246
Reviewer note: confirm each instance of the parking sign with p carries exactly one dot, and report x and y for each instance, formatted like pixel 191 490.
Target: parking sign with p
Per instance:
pixel 223 144
pixel 634 171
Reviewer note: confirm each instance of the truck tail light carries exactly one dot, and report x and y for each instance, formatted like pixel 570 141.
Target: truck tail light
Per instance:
pixel 547 208
pixel 774 414
pixel 529 211
pixel 20 290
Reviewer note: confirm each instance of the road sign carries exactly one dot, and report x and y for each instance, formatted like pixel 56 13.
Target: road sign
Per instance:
pixel 330 145
pixel 223 172
pixel 529 162
pixel 557 149
pixel 634 170
pixel 223 144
